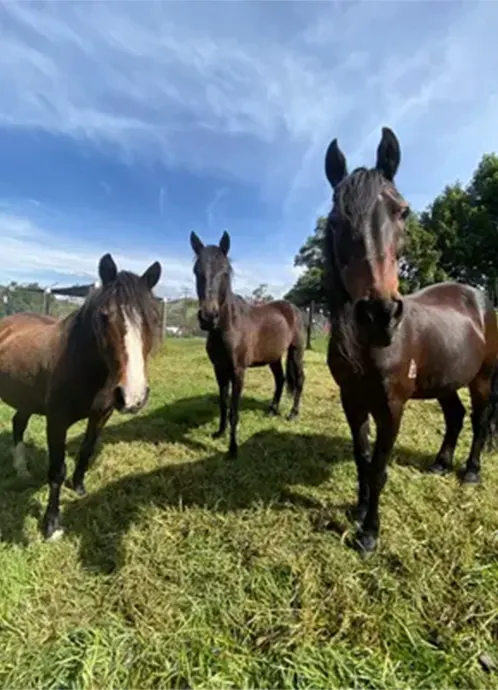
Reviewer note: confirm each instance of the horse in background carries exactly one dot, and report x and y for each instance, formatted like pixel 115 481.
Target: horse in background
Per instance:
pixel 385 349
pixel 241 335
pixel 81 367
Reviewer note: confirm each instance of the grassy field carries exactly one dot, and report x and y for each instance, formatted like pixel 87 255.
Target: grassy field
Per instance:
pixel 184 569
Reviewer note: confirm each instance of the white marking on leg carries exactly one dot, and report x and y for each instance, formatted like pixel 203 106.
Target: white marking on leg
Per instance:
pixel 58 533
pixel 20 464
pixel 135 382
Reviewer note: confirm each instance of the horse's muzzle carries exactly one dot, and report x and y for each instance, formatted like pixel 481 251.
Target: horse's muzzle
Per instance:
pixel 379 319
pixel 208 320
pixel 124 407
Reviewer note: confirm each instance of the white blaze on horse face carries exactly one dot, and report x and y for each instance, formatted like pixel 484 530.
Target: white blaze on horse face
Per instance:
pixel 135 384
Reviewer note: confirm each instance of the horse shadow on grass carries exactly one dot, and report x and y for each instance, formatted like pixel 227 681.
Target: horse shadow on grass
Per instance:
pixel 17 494
pixel 269 465
pixel 168 423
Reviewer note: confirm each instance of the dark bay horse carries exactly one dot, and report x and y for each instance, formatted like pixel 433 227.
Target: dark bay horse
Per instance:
pixel 385 349
pixel 241 335
pixel 80 367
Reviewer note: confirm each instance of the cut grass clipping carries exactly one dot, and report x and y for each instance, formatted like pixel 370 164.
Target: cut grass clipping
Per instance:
pixel 183 568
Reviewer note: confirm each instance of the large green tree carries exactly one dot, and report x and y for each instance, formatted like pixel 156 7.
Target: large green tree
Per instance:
pixel 419 257
pixel 464 224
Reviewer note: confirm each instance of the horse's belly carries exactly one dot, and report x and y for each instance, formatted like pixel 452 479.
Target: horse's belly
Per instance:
pixel 458 372
pixel 23 392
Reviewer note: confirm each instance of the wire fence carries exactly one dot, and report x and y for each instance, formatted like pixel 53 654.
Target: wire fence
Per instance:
pixel 176 318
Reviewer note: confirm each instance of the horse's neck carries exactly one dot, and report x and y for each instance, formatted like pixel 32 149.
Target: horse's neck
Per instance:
pixel 227 308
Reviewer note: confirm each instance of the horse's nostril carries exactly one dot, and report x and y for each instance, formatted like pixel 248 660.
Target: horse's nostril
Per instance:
pixel 119 398
pixel 364 311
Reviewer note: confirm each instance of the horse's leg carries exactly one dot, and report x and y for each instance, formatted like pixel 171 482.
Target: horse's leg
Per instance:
pixel 237 385
pixel 223 379
pixel 96 423
pixel 357 417
pixel 278 374
pixel 479 395
pixel 19 424
pixel 388 421
pixel 295 374
pixel 56 437
pixel 454 413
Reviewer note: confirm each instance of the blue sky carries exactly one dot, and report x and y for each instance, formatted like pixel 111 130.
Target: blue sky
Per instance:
pixel 124 126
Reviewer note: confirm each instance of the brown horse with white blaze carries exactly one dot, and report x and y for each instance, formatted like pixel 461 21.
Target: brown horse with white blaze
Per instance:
pixel 385 349
pixel 81 367
pixel 242 335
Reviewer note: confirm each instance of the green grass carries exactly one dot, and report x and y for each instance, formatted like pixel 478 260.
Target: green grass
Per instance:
pixel 184 569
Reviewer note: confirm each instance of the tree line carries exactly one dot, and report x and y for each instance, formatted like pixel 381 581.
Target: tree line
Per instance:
pixel 454 238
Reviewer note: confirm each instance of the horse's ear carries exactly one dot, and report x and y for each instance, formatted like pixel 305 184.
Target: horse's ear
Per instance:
pixel 336 167
pixel 107 269
pixel 225 243
pixel 388 154
pixel 152 275
pixel 196 243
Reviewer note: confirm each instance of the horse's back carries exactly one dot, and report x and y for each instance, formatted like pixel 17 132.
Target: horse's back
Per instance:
pixel 448 296
pixel 265 332
pixel 277 311
pixel 27 343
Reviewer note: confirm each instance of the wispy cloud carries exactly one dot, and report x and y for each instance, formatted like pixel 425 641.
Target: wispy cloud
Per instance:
pixel 120 74
pixel 250 93
pixel 142 79
pixel 210 211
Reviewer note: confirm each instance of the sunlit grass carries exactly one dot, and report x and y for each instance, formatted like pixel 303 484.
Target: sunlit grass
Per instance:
pixel 185 569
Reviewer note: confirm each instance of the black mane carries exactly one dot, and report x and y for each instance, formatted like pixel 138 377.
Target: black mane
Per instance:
pixel 129 293
pixel 357 193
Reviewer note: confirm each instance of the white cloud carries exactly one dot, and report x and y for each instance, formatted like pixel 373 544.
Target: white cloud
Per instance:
pixel 29 253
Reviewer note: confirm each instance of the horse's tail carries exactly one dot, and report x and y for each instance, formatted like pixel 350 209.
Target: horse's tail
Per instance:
pixel 294 367
pixel 490 419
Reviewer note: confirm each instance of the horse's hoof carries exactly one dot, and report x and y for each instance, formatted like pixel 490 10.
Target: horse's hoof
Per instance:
pixel 366 543
pixel 272 412
pixel 292 416
pixel 78 488
pixel 470 477
pixel 51 528
pixel 233 452
pixel 217 434
pixel 438 468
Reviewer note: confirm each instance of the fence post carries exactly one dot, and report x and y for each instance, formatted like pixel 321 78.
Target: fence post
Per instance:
pixel 164 314
pixel 46 301
pixel 311 310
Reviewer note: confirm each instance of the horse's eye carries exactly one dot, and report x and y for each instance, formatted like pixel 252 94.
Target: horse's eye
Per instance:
pixel 405 212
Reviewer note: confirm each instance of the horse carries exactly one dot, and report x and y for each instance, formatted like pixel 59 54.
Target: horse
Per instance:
pixel 242 335
pixel 385 348
pixel 81 367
